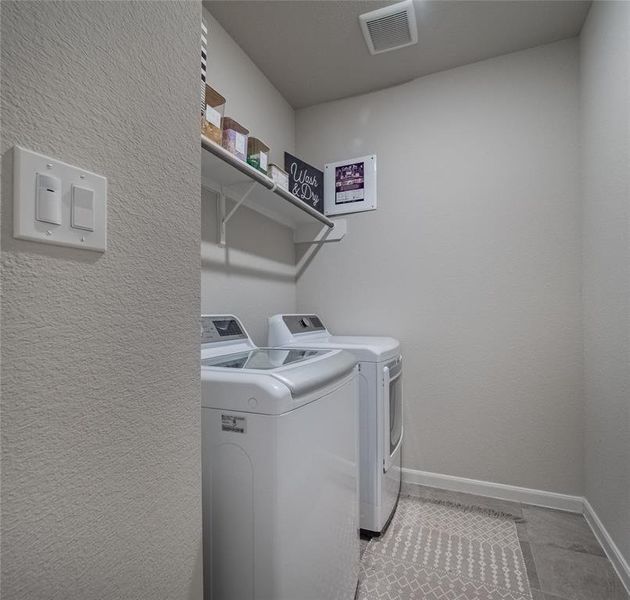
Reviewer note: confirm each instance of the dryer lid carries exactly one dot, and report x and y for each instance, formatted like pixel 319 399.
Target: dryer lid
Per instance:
pixel 364 348
pixel 308 331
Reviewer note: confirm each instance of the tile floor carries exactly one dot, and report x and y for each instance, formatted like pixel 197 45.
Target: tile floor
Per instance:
pixel 562 558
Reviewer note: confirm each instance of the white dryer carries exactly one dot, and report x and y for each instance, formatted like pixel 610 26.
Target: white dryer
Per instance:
pixel 380 408
pixel 279 469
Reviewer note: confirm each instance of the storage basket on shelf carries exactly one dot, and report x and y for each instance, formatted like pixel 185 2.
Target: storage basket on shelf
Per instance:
pixel 280 176
pixel 235 138
pixel 213 115
pixel 257 154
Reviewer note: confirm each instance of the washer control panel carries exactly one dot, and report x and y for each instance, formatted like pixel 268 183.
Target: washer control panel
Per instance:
pixel 221 329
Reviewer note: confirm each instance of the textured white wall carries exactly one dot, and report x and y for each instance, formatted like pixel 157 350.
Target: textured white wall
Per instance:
pixel 605 119
pixel 100 353
pixel 254 276
pixel 472 259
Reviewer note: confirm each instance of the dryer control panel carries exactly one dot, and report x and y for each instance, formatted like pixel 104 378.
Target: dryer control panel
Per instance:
pixel 303 323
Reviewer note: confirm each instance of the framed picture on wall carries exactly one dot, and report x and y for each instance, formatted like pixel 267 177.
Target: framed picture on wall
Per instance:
pixel 350 185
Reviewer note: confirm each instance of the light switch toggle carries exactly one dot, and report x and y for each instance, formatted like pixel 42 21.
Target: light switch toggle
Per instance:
pixel 48 201
pixel 82 208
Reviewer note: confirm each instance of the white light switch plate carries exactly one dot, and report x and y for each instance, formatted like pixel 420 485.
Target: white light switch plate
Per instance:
pixel 26 165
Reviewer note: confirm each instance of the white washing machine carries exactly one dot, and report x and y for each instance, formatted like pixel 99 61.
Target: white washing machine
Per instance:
pixel 380 407
pixel 279 469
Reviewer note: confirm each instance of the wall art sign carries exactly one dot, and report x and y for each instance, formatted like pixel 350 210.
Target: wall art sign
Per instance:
pixel 305 181
pixel 350 185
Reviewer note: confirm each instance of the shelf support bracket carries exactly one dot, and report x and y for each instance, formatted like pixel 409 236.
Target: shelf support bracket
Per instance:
pixel 318 234
pixel 224 218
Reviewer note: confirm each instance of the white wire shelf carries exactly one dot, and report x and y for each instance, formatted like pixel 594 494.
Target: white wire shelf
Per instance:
pixel 233 178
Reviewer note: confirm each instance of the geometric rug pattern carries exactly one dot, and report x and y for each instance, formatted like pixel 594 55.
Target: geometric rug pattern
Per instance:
pixel 439 552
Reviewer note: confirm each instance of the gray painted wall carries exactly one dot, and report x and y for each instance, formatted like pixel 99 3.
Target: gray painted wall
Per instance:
pixel 480 222
pixel 251 98
pixel 472 259
pixel 605 119
pixel 254 276
pixel 100 353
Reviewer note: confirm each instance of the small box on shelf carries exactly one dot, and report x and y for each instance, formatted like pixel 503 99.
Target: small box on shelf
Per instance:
pixel 279 176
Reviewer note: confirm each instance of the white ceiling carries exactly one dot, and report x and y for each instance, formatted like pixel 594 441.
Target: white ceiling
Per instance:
pixel 313 50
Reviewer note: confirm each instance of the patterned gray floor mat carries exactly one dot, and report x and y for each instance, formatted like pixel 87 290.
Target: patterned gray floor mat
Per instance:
pixel 433 551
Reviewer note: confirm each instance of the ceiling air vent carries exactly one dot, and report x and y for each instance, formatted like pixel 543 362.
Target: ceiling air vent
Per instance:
pixel 390 28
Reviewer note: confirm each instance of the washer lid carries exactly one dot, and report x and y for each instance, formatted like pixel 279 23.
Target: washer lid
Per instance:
pixel 261 359
pixel 275 380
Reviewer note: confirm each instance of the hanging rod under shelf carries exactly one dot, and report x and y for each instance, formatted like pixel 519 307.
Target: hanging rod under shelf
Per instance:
pixel 255 175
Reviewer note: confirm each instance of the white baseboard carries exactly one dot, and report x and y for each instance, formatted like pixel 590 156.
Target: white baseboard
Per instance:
pixel 603 537
pixel 501 491
pixel 495 490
